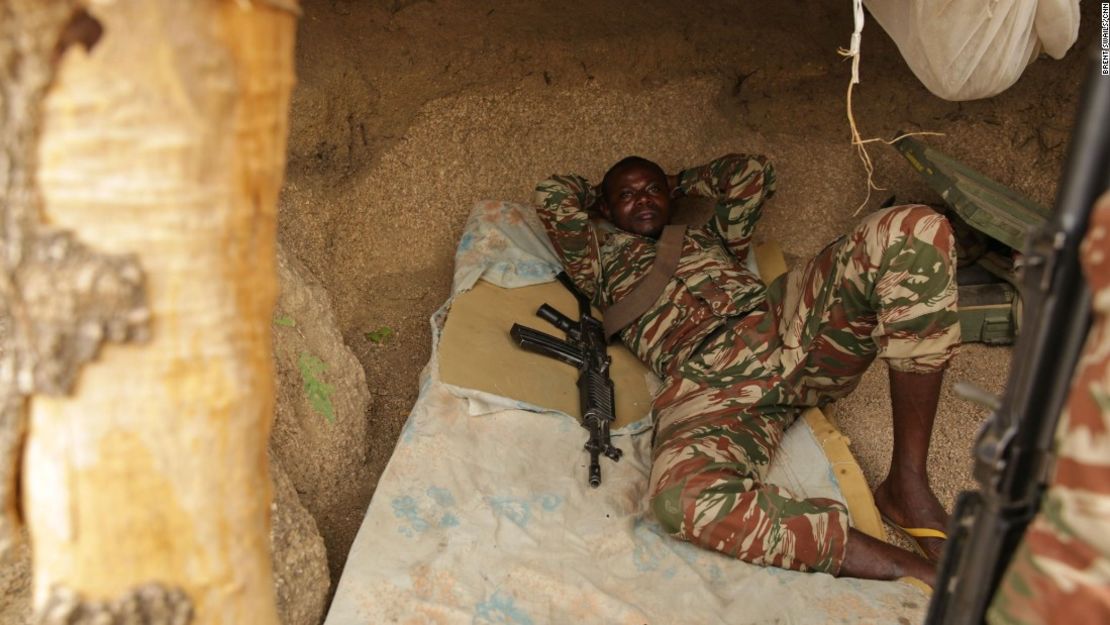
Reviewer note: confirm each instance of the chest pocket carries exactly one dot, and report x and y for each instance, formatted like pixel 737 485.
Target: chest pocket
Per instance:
pixel 718 282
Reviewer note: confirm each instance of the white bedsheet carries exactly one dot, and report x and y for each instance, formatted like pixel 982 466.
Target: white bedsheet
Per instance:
pixel 483 514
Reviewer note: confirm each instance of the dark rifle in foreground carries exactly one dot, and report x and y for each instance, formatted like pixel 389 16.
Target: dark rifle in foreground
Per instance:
pixel 586 349
pixel 1014 451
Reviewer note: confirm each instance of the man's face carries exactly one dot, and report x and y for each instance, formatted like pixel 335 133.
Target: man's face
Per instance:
pixel 638 200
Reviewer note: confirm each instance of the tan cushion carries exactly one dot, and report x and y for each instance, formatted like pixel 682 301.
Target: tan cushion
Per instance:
pixel 475 351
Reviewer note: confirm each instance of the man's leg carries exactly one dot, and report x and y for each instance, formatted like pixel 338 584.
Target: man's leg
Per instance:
pixel 718 424
pixel 887 289
pixel 905 497
pixel 707 488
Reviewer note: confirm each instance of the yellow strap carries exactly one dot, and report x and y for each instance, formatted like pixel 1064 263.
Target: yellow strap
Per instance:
pixel 769 259
pixel 925 532
pixel 918 584
pixel 857 494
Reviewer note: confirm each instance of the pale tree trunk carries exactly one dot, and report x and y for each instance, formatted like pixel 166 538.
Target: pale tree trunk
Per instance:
pixel 146 488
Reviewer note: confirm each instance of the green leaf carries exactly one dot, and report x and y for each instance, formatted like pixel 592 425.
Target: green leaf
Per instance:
pixel 381 335
pixel 286 321
pixel 318 391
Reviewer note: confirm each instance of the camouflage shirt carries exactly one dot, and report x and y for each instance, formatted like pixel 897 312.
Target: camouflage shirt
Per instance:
pixel 712 282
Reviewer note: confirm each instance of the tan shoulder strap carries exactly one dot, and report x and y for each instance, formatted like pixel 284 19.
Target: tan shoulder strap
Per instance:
pixel 667 252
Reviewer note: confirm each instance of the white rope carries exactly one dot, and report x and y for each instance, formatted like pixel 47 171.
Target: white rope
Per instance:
pixel 857 36
pixel 853 52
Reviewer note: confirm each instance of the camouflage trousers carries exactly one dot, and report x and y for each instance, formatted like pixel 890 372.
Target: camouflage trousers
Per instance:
pixel 888 290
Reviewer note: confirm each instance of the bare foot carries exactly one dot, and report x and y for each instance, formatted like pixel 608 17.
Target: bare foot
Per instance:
pixel 911 503
pixel 870 558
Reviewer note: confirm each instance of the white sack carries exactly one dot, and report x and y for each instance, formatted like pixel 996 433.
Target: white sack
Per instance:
pixel 969 49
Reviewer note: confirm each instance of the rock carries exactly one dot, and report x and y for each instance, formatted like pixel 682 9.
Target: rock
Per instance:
pixel 301 579
pixel 15 582
pixel 321 431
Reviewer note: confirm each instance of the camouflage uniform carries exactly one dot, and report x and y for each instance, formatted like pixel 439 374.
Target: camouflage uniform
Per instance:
pixel 1060 572
pixel 740 361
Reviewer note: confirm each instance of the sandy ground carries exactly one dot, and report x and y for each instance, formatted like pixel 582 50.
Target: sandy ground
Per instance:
pixel 408 111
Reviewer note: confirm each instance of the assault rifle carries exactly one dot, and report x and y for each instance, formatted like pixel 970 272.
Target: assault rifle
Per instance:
pixel 1014 449
pixel 586 349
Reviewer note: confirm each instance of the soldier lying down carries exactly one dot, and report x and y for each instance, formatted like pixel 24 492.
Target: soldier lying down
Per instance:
pixel 740 361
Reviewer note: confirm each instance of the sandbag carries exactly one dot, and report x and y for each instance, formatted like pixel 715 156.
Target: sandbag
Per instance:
pixel 970 49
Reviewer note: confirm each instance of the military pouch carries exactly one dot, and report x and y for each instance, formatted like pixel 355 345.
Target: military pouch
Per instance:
pixel 991 223
pixel 990 308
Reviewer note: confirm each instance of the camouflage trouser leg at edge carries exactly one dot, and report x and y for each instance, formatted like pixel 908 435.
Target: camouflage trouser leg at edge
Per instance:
pixel 887 289
pixel 1060 572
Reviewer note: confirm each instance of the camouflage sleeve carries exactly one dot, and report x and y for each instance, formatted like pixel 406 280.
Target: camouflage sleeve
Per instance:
pixel 740 184
pixel 560 202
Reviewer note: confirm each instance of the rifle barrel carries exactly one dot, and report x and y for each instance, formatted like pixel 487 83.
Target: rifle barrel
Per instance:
pixel 556 318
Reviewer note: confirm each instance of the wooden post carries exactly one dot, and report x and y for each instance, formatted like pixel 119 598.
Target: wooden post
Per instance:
pixel 146 488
